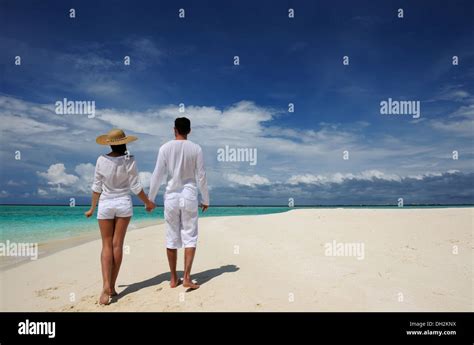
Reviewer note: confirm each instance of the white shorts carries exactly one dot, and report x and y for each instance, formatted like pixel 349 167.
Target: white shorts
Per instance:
pixel 115 207
pixel 181 218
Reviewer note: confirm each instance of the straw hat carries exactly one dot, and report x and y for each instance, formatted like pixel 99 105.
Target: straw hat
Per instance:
pixel 115 137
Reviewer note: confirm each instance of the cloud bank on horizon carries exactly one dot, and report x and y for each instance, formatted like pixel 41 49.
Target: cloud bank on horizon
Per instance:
pixel 293 119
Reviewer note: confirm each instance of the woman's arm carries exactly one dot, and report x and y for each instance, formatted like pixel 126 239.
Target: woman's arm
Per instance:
pixel 95 199
pixel 96 189
pixel 149 205
pixel 136 186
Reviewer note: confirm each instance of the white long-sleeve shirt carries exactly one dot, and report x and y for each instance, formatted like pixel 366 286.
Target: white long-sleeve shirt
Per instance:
pixel 116 176
pixel 182 163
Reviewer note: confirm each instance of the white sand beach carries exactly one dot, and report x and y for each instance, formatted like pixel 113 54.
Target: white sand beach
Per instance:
pixel 274 262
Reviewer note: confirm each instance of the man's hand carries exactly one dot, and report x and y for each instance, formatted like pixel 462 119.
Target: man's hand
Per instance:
pixel 150 206
pixel 89 213
pixel 204 207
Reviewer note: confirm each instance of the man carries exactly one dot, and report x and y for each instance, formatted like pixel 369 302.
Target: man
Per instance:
pixel 181 161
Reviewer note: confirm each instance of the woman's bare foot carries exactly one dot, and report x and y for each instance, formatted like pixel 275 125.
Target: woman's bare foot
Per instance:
pixel 190 285
pixel 104 298
pixel 175 281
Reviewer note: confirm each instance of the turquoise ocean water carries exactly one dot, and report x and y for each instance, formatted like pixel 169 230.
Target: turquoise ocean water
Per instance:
pixel 45 223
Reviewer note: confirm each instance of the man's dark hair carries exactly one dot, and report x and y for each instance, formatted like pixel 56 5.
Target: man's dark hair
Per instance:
pixel 182 125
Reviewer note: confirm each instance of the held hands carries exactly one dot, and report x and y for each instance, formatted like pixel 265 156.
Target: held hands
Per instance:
pixel 150 206
pixel 204 207
pixel 89 213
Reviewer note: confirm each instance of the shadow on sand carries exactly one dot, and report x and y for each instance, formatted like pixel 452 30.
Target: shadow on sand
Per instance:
pixel 201 278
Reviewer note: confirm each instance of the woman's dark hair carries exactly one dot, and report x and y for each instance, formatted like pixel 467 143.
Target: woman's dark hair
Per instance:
pixel 122 149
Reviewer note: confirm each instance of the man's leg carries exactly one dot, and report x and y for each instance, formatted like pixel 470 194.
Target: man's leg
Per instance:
pixel 172 260
pixel 173 240
pixel 188 264
pixel 189 236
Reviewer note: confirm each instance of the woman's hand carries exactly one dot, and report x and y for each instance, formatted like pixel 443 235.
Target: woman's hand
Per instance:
pixel 95 199
pixel 150 205
pixel 89 213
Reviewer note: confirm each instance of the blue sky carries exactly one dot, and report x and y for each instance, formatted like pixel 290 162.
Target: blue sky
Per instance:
pixel 282 60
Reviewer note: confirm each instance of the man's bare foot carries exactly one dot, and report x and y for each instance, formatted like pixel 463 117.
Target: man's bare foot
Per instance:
pixel 104 298
pixel 113 293
pixel 175 282
pixel 190 285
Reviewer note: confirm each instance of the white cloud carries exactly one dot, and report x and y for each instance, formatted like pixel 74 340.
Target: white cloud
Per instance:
pixel 464 111
pixel 63 183
pixel 367 175
pixel 245 116
pixel 311 155
pixel 241 117
pixel 433 174
pixel 250 181
pixel 15 183
pixel 99 85
pixel 57 176
pixel 455 95
pixel 462 127
pixel 306 178
pixel 4 194
pixel 85 173
pixel 26 126
pixel 146 51
pixel 459 122
pixel 145 178
pixel 375 174
pixel 42 192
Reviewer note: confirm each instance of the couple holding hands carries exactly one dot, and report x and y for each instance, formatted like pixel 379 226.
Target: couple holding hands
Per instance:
pixel 180 164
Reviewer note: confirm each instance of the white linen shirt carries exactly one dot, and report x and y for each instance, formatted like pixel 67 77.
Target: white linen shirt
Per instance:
pixel 182 163
pixel 115 177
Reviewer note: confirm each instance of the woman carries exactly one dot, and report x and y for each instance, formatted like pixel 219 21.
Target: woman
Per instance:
pixel 115 176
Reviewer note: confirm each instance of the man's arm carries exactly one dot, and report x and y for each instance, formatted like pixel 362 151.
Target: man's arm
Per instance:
pixel 158 175
pixel 202 180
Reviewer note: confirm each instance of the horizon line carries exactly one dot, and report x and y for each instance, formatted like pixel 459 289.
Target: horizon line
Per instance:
pixel 296 206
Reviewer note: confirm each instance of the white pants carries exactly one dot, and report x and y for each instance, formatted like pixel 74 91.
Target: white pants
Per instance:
pixel 115 207
pixel 181 218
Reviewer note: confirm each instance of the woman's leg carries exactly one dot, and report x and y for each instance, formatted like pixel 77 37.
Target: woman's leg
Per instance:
pixel 107 231
pixel 121 224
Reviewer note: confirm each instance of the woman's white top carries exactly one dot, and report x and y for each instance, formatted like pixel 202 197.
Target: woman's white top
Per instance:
pixel 115 177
